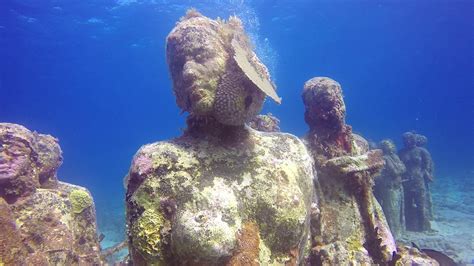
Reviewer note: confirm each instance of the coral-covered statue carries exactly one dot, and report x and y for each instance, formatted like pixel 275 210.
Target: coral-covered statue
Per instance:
pixel 420 167
pixel 222 193
pixel 325 113
pixel 349 226
pixel 389 189
pixel 42 221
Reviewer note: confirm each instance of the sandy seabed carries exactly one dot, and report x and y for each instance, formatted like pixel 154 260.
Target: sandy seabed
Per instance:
pixel 453 224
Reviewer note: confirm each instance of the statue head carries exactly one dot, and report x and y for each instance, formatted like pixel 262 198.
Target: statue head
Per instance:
pixel 420 140
pixel 409 139
pixel 27 159
pixel 324 105
pixel 388 146
pixel 412 139
pixel 215 73
pixel 15 154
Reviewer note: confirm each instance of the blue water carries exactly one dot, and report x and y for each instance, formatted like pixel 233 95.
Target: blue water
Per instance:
pixel 94 74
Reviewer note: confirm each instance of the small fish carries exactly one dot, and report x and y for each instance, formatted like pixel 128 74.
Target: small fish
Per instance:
pixel 441 258
pixel 101 237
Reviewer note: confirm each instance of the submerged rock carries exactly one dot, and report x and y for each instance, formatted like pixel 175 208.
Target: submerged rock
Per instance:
pixel 412 256
pixel 45 221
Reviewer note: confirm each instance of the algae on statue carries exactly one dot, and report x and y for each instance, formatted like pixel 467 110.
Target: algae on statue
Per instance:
pixel 222 193
pixel 45 221
pixel 349 226
pixel 389 189
pixel 418 175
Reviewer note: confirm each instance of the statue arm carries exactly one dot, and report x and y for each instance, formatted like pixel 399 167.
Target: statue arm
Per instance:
pixel 394 166
pixel 400 166
pixel 390 166
pixel 428 165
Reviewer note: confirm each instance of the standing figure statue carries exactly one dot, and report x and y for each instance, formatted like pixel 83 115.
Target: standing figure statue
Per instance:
pixel 420 141
pixel 419 172
pixel 349 227
pixel 389 190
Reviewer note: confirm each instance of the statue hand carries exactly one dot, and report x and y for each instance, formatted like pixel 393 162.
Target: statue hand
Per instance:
pixel 429 177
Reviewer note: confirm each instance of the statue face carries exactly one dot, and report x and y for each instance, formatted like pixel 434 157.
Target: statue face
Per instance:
pixel 387 146
pixel 409 139
pixel 324 103
pixel 214 70
pixel 196 58
pixel 14 158
pixel 420 140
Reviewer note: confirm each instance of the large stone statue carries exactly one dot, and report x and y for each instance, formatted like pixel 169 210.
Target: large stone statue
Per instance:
pixel 222 193
pixel 42 221
pixel 349 227
pixel 389 189
pixel 418 175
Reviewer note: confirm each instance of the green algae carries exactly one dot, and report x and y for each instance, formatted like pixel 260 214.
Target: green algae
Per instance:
pixel 146 234
pixel 80 200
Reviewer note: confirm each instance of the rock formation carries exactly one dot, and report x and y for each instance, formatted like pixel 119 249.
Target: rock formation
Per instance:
pixel 43 221
pixel 222 193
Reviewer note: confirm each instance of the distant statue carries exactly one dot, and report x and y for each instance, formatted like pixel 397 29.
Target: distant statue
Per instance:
pixel 389 190
pixel 418 175
pixel 420 141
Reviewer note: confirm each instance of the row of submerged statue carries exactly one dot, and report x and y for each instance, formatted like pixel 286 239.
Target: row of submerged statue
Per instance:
pixel 223 193
pixel 226 194
pixel 403 186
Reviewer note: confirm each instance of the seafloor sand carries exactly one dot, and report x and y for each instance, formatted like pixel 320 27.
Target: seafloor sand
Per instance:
pixel 453 225
pixel 111 222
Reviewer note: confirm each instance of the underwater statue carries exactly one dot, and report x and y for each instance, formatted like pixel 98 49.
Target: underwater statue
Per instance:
pixel 418 175
pixel 42 221
pixel 421 141
pixel 222 193
pixel 349 226
pixel 389 189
